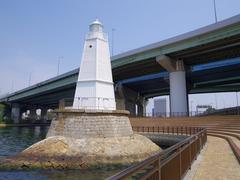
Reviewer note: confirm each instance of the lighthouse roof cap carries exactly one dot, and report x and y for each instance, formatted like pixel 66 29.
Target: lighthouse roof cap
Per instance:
pixel 96 22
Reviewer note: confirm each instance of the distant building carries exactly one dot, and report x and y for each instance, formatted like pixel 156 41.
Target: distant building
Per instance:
pixel 160 107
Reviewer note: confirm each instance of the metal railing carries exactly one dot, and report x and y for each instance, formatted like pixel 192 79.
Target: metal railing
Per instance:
pixel 225 111
pixel 170 164
pixel 99 34
pixel 176 114
pixel 176 130
pixel 85 103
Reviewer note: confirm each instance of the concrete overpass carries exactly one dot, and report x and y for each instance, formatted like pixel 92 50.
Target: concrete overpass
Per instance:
pixel 202 61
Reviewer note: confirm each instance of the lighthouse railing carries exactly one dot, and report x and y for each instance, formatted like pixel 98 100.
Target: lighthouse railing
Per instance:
pixel 86 103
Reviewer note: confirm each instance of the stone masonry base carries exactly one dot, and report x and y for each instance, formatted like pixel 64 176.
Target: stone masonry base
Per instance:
pixel 81 139
pixel 88 124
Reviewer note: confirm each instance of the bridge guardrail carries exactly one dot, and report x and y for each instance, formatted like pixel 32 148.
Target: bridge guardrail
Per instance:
pixel 174 114
pixel 172 163
pixel 227 111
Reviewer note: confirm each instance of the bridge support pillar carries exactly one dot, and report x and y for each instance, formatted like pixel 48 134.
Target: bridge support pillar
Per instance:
pixel 22 112
pixel 127 99
pixel 16 113
pixel 140 110
pixel 141 107
pixel 130 106
pixel 178 90
pixel 126 104
pixel 32 114
pixel 44 114
pixel 178 94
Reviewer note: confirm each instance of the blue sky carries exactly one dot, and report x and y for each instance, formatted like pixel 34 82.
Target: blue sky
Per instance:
pixel 34 33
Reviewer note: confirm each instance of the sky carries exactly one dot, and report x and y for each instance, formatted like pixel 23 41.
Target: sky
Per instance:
pixel 36 34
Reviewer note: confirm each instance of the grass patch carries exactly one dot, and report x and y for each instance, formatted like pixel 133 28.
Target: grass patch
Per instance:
pixel 2 107
pixel 4 120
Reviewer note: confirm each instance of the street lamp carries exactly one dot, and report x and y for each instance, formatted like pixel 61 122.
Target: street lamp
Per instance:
pixel 216 103
pixel 237 103
pixel 191 106
pixel 59 59
pixel 29 79
pixel 237 98
pixel 113 40
pixel 12 86
pixel 215 10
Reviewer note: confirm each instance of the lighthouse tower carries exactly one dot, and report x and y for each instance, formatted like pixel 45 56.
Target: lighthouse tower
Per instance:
pixel 94 88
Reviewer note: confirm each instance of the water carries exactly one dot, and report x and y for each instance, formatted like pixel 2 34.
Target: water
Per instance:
pixel 15 139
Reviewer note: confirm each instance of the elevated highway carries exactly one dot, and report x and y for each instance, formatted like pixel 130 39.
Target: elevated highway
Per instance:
pixel 208 60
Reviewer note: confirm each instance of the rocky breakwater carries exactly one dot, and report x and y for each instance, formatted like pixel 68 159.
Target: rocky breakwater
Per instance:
pixel 83 139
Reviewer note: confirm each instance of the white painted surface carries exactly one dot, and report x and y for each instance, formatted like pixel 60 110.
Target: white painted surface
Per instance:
pixel 178 93
pixel 95 85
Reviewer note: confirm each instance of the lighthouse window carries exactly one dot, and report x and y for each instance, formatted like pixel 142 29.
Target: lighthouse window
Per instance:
pixel 90 46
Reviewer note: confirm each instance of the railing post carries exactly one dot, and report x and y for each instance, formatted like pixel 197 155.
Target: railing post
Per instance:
pixel 159 168
pixel 200 141
pixel 196 152
pixel 180 163
pixel 190 154
pixel 205 136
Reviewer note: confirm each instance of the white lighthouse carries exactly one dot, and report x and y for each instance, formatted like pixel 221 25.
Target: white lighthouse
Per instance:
pixel 94 88
pixel 93 121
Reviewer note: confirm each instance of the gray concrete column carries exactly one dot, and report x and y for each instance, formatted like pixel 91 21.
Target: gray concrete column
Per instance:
pixel 44 114
pixel 125 104
pixel 178 90
pixel 33 113
pixel 140 110
pixel 126 99
pixel 120 103
pixel 131 107
pixel 15 113
pixel 145 107
pixel 141 105
pixel 178 93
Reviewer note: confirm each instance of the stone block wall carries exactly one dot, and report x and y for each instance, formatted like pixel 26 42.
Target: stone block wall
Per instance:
pixel 81 124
